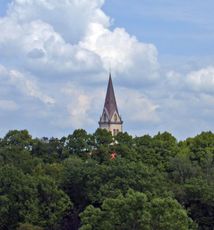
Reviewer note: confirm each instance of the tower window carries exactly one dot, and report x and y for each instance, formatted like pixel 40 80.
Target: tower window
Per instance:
pixel 115 132
pixel 115 117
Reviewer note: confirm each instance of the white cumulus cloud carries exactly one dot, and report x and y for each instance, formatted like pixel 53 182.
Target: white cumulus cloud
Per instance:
pixel 24 83
pixel 124 53
pixel 70 42
pixel 59 53
pixel 28 86
pixel 202 80
pixel 70 18
pixel 137 107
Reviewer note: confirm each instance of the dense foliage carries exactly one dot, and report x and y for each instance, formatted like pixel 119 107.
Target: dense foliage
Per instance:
pixel 97 182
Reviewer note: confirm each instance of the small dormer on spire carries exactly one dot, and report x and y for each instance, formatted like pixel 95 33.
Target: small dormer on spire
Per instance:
pixel 110 119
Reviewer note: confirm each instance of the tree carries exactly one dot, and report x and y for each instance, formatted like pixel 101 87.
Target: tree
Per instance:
pixel 102 137
pixel 124 146
pixel 53 203
pixel 87 181
pixel 167 213
pixel 79 142
pixel 136 211
pixel 49 150
pixel 124 138
pixel 27 226
pixel 17 197
pixel 20 158
pixel 28 199
pixel 21 139
pixel 201 147
pixel 157 151
pixel 40 177
pixel 198 198
pixel 182 169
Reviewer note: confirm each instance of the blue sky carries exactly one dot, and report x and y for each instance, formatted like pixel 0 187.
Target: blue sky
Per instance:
pixel 55 57
pixel 175 27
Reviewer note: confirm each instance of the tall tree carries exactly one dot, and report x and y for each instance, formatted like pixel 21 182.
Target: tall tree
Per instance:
pixel 136 211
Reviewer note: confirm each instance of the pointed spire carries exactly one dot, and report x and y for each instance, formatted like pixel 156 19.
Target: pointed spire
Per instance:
pixel 110 118
pixel 110 101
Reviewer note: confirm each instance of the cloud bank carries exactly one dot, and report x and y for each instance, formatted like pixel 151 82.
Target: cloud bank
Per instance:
pixel 54 62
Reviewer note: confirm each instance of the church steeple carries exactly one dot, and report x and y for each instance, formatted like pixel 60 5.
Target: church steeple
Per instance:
pixel 110 101
pixel 110 118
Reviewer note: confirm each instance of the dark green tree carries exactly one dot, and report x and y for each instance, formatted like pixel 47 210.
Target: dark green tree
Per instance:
pixel 28 199
pixel 136 211
pixel 79 143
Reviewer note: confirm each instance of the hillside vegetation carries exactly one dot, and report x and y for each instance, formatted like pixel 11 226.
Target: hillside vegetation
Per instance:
pixel 97 182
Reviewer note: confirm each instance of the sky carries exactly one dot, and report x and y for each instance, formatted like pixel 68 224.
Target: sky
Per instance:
pixel 55 58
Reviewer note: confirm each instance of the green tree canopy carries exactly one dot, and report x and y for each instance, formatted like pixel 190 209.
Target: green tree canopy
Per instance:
pixel 28 199
pixel 136 211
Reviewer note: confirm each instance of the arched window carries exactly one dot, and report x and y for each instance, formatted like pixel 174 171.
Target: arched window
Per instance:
pixel 115 117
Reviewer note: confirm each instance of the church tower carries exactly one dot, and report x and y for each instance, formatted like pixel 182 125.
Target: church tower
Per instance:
pixel 110 119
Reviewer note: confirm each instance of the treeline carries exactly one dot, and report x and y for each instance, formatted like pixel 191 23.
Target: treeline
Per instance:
pixel 97 182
